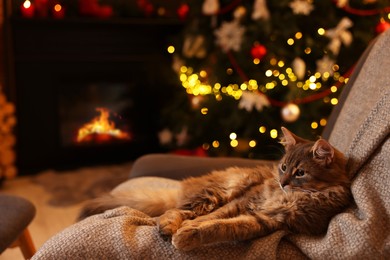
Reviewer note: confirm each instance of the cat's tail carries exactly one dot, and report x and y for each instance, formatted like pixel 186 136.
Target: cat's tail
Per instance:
pixel 150 202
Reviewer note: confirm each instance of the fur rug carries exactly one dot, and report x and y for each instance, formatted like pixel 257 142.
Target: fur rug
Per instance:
pixel 71 187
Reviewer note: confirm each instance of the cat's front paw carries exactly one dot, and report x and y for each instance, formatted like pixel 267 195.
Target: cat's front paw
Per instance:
pixel 167 226
pixel 171 220
pixel 187 238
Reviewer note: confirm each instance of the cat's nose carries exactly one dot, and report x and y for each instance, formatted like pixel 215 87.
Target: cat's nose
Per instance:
pixel 284 182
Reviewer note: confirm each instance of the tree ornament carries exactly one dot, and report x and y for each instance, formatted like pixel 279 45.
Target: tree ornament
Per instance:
pixel 196 101
pixel 382 26
pixel 290 112
pixel 302 7
pixel 260 10
pixel 146 6
pixel 229 36
pixel 299 67
pixel 325 65
pixel 250 100
pixel 342 3
pixel 194 46
pixel 258 51
pixel 165 136
pixel 239 13
pixel 339 34
pixel 183 11
pixel 177 63
pixel 210 7
pixel 182 137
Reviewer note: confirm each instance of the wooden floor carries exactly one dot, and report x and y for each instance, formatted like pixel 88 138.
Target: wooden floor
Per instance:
pixel 48 221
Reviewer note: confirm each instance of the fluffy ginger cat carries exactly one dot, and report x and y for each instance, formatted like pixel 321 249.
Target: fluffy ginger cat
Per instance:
pixel 308 187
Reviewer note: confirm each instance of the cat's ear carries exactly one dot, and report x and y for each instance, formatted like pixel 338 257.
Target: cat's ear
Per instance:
pixel 289 139
pixel 323 152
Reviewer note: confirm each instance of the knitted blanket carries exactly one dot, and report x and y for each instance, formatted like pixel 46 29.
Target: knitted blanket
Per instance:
pixel 361 232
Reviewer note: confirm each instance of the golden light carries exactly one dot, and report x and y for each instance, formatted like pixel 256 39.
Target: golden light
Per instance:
pixel 204 111
pixel 203 73
pixel 171 49
pixel 234 143
pixel 243 86
pixel 323 122
pixel 298 35
pixel 57 7
pixel 314 125
pixel 321 31
pixel 334 101
pixel 101 129
pixel 273 133
pixel 252 143
pixel 262 129
pixel 290 41
pixel 27 4
pixel 233 136
pixel 215 144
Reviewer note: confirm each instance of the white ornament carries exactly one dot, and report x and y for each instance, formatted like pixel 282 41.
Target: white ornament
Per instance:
pixel 182 137
pixel 303 7
pixel 339 34
pixel 325 65
pixel 165 136
pixel 210 7
pixel 290 112
pixel 260 10
pixel 299 68
pixel 250 100
pixel 194 46
pixel 229 36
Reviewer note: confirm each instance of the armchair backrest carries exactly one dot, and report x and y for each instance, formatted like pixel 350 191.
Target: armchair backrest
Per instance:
pixel 366 86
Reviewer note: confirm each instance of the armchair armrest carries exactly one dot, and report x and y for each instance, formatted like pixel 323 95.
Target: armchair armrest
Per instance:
pixel 179 167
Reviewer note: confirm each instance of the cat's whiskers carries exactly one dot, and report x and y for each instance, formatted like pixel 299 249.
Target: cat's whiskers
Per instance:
pixel 280 185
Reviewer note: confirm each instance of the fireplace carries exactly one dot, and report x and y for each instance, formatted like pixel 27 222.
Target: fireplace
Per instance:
pixel 65 72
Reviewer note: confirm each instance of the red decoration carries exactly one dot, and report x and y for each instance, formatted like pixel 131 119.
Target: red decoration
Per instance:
pixel 58 11
pixel 382 26
pixel 258 51
pixel 93 8
pixel 27 9
pixel 200 152
pixel 146 6
pixel 183 11
pixel 42 8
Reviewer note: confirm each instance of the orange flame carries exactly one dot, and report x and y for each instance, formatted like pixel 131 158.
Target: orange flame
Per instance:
pixel 101 129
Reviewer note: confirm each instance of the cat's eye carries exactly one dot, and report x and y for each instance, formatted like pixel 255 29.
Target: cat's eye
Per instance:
pixel 299 173
pixel 283 167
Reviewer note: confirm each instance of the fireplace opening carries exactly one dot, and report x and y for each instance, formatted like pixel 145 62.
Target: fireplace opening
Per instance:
pixel 96 114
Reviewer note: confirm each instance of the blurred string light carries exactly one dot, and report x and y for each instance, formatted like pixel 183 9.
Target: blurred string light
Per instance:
pixel 196 83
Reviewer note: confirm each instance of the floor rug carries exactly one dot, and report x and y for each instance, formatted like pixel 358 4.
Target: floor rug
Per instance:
pixel 72 187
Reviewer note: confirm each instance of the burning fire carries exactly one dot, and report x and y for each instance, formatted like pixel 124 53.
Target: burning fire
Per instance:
pixel 101 129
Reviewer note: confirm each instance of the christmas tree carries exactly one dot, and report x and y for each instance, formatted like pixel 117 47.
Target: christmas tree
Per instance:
pixel 249 67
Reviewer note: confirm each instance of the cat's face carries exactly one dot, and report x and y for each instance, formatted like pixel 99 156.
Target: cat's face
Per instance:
pixel 310 166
